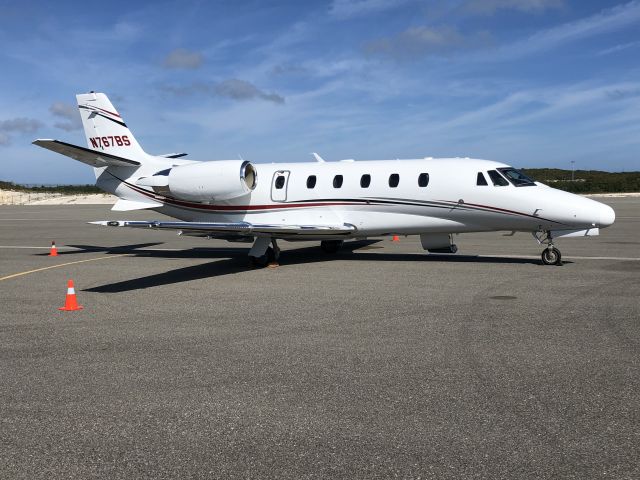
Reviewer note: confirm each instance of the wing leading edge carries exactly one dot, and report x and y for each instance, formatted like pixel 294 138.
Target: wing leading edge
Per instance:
pixel 237 228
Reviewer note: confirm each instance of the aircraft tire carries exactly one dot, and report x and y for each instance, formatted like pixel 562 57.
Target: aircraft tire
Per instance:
pixel 264 260
pixel 551 256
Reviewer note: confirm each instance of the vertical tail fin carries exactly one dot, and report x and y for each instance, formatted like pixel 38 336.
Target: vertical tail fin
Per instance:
pixel 105 129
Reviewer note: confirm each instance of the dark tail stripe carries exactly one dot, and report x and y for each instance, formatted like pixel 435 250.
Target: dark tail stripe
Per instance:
pixel 93 110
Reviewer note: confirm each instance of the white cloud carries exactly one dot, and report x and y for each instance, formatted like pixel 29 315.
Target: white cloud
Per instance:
pixel 619 48
pixel 344 9
pixel 67 112
pixel 607 20
pixel 182 58
pixel 242 90
pixel 232 88
pixel 523 108
pixel 488 7
pixel 20 125
pixel 424 40
pixel 17 125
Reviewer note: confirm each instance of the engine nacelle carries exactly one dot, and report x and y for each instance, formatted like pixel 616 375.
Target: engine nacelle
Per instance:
pixel 438 243
pixel 217 180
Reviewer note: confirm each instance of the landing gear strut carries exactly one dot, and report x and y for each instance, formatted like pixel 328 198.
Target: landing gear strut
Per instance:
pixel 550 255
pixel 262 255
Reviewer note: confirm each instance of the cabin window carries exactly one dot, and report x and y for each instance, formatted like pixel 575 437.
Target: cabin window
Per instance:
pixel 394 180
pixel 365 180
pixel 423 179
pixel 311 181
pixel 337 181
pixel 481 180
pixel 517 178
pixel 280 182
pixel 497 179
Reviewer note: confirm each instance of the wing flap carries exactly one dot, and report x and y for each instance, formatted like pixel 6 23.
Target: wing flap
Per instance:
pixel 85 155
pixel 238 228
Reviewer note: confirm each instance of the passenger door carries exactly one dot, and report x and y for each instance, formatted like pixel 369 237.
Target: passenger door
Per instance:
pixel 279 186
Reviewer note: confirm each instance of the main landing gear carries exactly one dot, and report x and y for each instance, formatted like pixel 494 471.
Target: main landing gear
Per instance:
pixel 550 255
pixel 262 255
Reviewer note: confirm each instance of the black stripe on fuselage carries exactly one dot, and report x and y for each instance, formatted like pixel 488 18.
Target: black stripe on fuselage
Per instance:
pixel 445 204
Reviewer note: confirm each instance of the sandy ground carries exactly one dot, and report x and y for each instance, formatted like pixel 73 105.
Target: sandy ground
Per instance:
pixel 10 197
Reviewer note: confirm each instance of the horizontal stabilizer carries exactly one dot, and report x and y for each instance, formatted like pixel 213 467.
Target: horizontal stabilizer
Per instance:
pixel 173 155
pixel 237 228
pixel 91 157
pixel 127 205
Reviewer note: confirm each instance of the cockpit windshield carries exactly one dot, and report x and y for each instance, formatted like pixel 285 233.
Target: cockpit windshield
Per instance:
pixel 516 177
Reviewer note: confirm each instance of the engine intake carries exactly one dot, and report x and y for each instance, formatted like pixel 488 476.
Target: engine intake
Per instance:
pixel 217 180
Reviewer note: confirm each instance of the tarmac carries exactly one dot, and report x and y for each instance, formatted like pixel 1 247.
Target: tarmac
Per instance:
pixel 381 361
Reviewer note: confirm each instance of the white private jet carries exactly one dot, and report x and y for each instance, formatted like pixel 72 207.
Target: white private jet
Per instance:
pixel 326 201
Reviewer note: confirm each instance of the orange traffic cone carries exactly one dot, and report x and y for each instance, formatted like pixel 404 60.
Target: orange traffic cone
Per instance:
pixel 395 238
pixel 54 251
pixel 71 303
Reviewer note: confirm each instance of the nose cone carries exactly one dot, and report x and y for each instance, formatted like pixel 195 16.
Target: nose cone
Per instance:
pixel 607 215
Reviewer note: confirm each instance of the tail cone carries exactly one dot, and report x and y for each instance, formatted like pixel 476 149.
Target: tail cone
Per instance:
pixel 71 303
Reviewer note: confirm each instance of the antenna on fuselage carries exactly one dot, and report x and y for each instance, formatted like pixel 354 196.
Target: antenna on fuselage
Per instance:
pixel 318 157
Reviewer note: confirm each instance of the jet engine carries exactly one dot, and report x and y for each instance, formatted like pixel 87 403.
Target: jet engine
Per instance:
pixel 438 243
pixel 205 181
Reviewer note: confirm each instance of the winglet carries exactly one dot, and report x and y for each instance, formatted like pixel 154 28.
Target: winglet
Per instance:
pixel 317 157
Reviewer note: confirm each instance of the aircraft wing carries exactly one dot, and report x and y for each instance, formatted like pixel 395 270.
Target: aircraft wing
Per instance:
pixel 237 228
pixel 91 157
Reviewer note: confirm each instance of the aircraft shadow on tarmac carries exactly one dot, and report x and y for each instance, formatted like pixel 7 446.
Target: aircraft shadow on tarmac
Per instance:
pixel 239 263
pixel 98 249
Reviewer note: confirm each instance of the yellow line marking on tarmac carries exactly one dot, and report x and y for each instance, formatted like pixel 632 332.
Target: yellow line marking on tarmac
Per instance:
pixel 14 275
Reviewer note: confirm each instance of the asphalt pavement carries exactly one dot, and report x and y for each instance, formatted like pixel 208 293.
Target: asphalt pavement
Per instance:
pixel 380 361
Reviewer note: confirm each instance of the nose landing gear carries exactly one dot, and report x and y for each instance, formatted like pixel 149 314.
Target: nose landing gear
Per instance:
pixel 550 255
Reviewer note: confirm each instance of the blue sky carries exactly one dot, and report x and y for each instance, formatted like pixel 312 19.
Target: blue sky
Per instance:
pixel 533 83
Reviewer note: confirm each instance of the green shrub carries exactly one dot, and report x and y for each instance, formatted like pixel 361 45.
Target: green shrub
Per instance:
pixel 586 181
